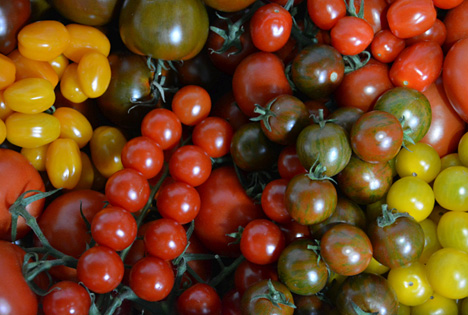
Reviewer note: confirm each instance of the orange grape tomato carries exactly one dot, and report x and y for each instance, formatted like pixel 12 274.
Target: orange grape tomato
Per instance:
pixel 106 146
pixel 84 39
pixel 63 163
pixel 87 173
pixel 32 130
pixel 70 86
pixel 30 96
pixel 29 68
pixel 36 156
pixel 94 74
pixel 5 111
pixel 43 40
pixel 8 73
pixel 59 64
pixel 74 125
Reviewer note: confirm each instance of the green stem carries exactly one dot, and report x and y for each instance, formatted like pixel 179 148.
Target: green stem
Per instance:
pixel 226 271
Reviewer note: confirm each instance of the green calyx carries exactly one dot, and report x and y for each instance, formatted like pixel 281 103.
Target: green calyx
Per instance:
pixel 276 297
pixel 264 114
pixel 389 216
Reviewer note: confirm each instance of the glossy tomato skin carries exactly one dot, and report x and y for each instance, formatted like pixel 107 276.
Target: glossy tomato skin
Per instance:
pixel 18 176
pixel 300 269
pixel 190 164
pixel 370 292
pixel 456 24
pixel 163 127
pixel 251 305
pixel 257 79
pixel 143 155
pixel 200 298
pixel 272 201
pixel 385 46
pixel 17 297
pixel 165 239
pixel 228 5
pixel 88 12
pixel 127 189
pixel 325 14
pixel 453 74
pixel 317 70
pixel 66 297
pixel 447 127
pixel 408 18
pixel 224 207
pixel 289 164
pixel 351 35
pixel 248 273
pixel 437 33
pixel 175 30
pixel 214 135
pixel 14 15
pixel 417 66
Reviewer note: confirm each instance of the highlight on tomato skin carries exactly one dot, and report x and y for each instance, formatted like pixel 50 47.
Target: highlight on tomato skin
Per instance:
pixel 227 157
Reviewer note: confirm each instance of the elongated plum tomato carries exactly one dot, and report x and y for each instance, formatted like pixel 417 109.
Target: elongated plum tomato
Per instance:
pixel 408 18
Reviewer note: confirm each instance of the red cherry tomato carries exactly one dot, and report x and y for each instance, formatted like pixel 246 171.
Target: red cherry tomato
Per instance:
pixel 351 35
pixel 408 18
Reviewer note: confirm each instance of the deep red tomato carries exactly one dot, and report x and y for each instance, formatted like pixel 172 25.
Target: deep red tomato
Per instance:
pixel 17 297
pixel 437 33
pixel 272 200
pixel 151 279
pixel 454 74
pixel 456 23
pixel 190 164
pixel 128 189
pixel 325 14
pixel 385 46
pixel 66 297
pixel 417 66
pixel 362 87
pixel 254 302
pixel 257 79
pixel 248 273
pixel 294 230
pixel 200 298
pixel 191 104
pixel 447 127
pixel 163 127
pixel 143 155
pixel 408 18
pixel 375 13
pixel 224 207
pixel 165 239
pixel 270 27
pixel 231 302
pixel 289 164
pixel 100 269
pixel 262 242
pixel 178 201
pixel 18 176
pixel 213 135
pixel 227 108
pixel 351 35
pixel 114 227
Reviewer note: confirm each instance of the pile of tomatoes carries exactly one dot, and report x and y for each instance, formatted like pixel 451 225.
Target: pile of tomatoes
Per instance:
pixel 234 157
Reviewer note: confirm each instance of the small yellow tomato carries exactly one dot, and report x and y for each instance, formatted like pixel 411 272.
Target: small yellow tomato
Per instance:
pixel 436 305
pixel 84 39
pixel 376 267
pixel 87 173
pixel 3 131
pixel 451 188
pixel 32 130
pixel 403 309
pixel 8 73
pixel 63 163
pixel 29 68
pixel 447 271
pixel 94 74
pixel 5 111
pixel 43 40
pixel 420 159
pixel 451 159
pixel 464 306
pixel 410 284
pixel 70 85
pixel 431 241
pixel 106 146
pixel 30 96
pixel 413 195
pixel 36 156
pixel 452 230
pixel 74 125
pixel 59 64
pixel 463 149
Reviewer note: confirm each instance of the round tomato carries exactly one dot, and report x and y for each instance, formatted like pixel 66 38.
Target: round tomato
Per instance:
pixel 452 230
pixel 419 160
pixel 386 47
pixel 267 297
pixel 66 297
pixel 451 188
pixel 200 298
pixel 325 14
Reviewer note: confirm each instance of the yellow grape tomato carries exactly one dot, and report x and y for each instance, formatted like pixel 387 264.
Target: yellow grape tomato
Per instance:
pixel 85 39
pixel 36 156
pixel 32 130
pixel 74 125
pixel 30 96
pixel 63 163
pixel 94 74
pixel 451 188
pixel 5 111
pixel 59 64
pixel 106 146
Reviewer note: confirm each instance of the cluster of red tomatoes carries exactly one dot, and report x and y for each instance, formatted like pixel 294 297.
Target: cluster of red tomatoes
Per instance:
pixel 234 157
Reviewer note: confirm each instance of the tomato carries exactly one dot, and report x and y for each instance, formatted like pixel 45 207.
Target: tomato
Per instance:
pixel 447 127
pixel 100 269
pixel 325 14
pixel 84 39
pixel 36 156
pixel 272 201
pixel 175 30
pixel 408 18
pixel 143 155
pixel 447 271
pixel 190 164
pixel 452 229
pixel 106 146
pixel 229 5
pixel 191 104
pixel 450 188
pixel 14 16
pixel 375 13
pixel 178 201
pixel 254 302
pixel 270 27
pixel 386 47
pixel 70 87
pixel 437 33
pixel 59 64
pixel 165 239
pixel 317 71
pixel 376 267
pixel 346 249
pixel 88 12
pixel 214 135
pixel 351 35
pixel 370 292
pixel 63 163
pixel 262 242
pixel 463 149
pixel 431 240
pixel 311 304
pixel 18 177
pixel 200 298
pixel 163 127
pixel 420 160
pixel 94 74
pixel 224 207
pixel 257 79
pixel 151 279
pixel 74 125
pixel 417 66
pixel 450 4
pixel 248 273
pixel 455 24
pixel 128 189
pixel 410 284
pixel 66 297
pixel 32 130
pixel 29 68
pixel 436 304
pixel 17 297
pixel 9 73
pixel 88 173
pixel 289 164
pixel 452 75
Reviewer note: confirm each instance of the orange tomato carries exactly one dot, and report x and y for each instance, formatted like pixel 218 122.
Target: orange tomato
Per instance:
pixel 94 74
pixel 59 64
pixel 29 68
pixel 32 130
pixel 70 86
pixel 85 39
pixel 8 73
pixel 74 125
pixel 36 156
pixel 106 146
pixel 63 163
pixel 30 96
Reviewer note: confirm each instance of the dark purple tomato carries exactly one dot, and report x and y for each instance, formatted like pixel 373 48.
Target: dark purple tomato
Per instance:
pixel 264 297
pixel 312 305
pixel 300 269
pixel 13 16
pixel 88 12
pixel 346 117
